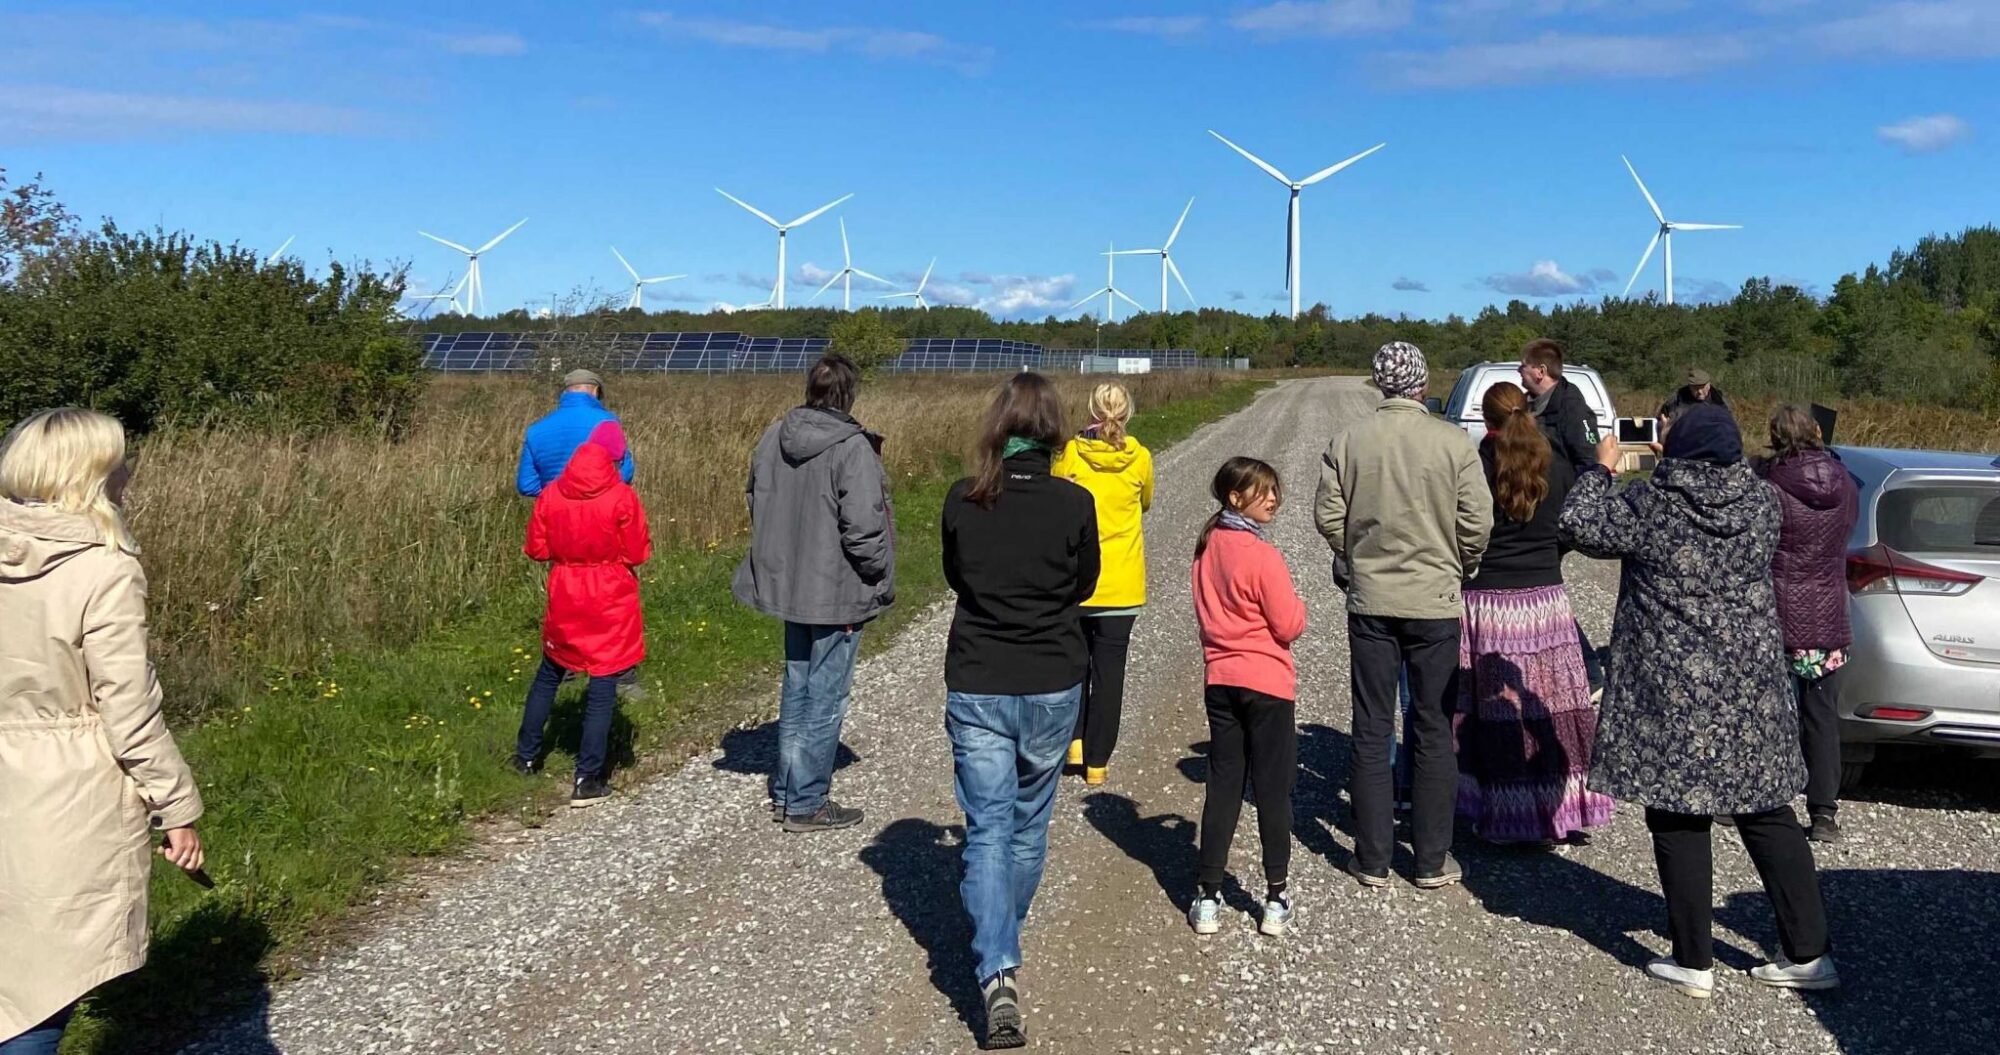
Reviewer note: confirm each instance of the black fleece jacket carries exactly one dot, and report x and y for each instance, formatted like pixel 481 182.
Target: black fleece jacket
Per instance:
pixel 1021 568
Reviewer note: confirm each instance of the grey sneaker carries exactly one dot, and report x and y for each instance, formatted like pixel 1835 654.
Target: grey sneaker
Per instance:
pixel 1824 829
pixel 1277 920
pixel 1003 1013
pixel 1445 876
pixel 827 818
pixel 1784 974
pixel 1205 915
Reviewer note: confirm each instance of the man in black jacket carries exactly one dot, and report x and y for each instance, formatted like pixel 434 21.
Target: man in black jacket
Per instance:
pixel 1565 417
pixel 1696 388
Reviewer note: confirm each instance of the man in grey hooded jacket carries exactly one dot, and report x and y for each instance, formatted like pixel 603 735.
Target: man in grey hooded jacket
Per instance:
pixel 823 559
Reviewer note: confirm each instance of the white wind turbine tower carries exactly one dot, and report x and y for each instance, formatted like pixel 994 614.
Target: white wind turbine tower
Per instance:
pixel 279 253
pixel 1166 261
pixel 639 284
pixel 916 294
pixel 1292 213
pixel 779 296
pixel 1110 289
pixel 1665 233
pixel 475 290
pixel 845 276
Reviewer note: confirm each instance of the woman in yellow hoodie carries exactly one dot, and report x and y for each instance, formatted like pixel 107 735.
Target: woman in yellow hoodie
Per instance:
pixel 1117 470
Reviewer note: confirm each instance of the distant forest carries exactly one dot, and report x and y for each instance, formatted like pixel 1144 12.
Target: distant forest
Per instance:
pixel 1924 328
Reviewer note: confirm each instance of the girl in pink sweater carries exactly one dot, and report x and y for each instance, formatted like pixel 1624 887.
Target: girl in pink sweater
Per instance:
pixel 1249 616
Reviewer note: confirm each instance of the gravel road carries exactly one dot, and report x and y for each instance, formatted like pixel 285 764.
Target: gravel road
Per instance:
pixel 678 919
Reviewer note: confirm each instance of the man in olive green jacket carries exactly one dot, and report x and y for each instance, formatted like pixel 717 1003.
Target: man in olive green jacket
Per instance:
pixel 1403 502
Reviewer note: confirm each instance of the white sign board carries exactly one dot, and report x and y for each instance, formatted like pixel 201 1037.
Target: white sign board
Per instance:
pixel 1135 366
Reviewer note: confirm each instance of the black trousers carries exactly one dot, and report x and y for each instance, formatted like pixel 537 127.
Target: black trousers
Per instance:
pixel 1248 731
pixel 1380 646
pixel 1819 735
pixel 1108 637
pixel 1784 861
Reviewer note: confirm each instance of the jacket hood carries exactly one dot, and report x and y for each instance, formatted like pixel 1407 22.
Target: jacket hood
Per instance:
pixel 807 432
pixel 1720 500
pixel 34 540
pixel 1102 456
pixel 1814 477
pixel 590 473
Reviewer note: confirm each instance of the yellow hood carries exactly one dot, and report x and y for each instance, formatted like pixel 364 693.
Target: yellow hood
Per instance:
pixel 1120 480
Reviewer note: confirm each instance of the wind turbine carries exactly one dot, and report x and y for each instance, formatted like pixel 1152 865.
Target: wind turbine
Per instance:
pixel 915 294
pixel 1110 289
pixel 475 290
pixel 278 253
pixel 639 284
pixel 1166 260
pixel 847 273
pixel 1665 233
pixel 779 297
pixel 1292 213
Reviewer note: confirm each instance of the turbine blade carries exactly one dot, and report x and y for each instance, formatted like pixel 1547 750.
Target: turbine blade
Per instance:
pixel 1657 214
pixel 446 241
pixel 1135 252
pixel 870 275
pixel 1289 209
pixel 278 253
pixel 660 278
pixel 807 218
pixel 1088 299
pixel 1650 246
pixel 502 235
pixel 1708 227
pixel 1331 169
pixel 1177 226
pixel 629 269
pixel 846 258
pixel 1254 159
pixel 829 285
pixel 926 280
pixel 1175 268
pixel 754 211
pixel 1120 294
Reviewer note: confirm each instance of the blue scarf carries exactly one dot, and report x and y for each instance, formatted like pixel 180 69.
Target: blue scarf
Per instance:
pixel 1235 521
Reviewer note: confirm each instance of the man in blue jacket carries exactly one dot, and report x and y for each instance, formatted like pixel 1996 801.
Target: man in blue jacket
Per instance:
pixel 579 417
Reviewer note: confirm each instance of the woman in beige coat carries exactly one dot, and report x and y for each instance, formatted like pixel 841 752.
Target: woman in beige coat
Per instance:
pixel 86 762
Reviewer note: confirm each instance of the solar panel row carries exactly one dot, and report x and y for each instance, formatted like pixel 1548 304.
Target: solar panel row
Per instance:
pixel 732 352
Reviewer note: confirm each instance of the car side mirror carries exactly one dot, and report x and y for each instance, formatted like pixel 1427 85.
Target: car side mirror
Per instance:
pixel 1434 405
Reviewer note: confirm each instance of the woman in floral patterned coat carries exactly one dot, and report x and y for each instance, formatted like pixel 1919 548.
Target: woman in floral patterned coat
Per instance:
pixel 1699 717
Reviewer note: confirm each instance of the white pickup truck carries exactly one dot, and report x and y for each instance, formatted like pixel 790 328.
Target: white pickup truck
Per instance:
pixel 1461 407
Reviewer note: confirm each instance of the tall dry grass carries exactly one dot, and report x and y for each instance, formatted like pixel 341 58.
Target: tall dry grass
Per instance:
pixel 1862 423
pixel 266 553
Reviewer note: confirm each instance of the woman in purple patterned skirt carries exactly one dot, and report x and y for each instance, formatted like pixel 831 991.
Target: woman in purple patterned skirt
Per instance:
pixel 1525 726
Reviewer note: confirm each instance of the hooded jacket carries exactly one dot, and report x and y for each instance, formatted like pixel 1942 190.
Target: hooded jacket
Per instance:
pixel 822 535
pixel 592 530
pixel 1698 714
pixel 548 444
pixel 1820 502
pixel 1566 419
pixel 85 762
pixel 1120 480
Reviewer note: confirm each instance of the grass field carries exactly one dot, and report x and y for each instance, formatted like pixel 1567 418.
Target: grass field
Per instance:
pixel 348 628
pixel 1862 423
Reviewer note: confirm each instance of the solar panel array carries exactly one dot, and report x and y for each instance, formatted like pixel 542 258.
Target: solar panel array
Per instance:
pixel 731 352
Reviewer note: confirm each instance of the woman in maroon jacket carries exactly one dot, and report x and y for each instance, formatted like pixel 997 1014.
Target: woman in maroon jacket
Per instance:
pixel 1820 503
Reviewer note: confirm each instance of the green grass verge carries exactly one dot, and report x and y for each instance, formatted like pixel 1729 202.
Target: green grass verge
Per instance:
pixel 320 786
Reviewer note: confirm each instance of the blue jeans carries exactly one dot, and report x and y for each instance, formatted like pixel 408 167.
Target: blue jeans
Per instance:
pixel 819 672
pixel 39 1040
pixel 599 701
pixel 1006 753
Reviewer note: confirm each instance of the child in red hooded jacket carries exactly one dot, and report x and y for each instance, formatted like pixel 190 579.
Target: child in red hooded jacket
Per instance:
pixel 591 529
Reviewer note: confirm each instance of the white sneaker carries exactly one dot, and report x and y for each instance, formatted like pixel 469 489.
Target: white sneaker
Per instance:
pixel 1697 984
pixel 1784 974
pixel 1205 915
pixel 1277 919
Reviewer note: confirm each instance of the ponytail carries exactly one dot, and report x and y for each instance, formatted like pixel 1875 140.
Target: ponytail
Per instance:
pixel 1521 453
pixel 1248 477
pixel 1110 411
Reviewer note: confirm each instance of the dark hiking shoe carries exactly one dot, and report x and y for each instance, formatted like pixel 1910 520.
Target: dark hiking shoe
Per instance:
pixel 777 813
pixel 1824 829
pixel 1367 879
pixel 827 818
pixel 1003 1013
pixel 589 792
pixel 526 767
pixel 1446 875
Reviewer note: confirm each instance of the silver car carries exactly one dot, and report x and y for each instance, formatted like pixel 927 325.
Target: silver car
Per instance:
pixel 1925 603
pixel 1462 406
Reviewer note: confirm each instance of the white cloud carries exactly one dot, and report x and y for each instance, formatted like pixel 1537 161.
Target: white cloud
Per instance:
pixel 1409 285
pixel 48 110
pixel 1545 279
pixel 1565 56
pixel 813 273
pixel 872 43
pixel 1153 25
pixel 1926 135
pixel 1005 296
pixel 1916 29
pixel 1331 18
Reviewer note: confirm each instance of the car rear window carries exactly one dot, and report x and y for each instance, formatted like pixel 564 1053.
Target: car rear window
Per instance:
pixel 1957 519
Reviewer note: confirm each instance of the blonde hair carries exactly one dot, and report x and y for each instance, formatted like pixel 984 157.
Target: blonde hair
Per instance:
pixel 64 458
pixel 1111 410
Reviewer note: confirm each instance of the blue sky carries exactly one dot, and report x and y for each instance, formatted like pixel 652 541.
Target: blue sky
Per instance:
pixel 1014 141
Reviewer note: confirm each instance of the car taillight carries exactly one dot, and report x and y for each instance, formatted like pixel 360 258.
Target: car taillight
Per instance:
pixel 1897 714
pixel 1879 569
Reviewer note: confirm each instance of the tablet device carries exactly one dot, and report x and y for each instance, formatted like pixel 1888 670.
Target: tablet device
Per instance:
pixel 1638 431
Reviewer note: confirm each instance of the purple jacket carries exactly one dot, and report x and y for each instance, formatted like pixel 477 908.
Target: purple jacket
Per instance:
pixel 1820 502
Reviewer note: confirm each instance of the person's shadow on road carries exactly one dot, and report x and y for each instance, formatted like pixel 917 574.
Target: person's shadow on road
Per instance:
pixel 754 750
pixel 1165 843
pixel 920 863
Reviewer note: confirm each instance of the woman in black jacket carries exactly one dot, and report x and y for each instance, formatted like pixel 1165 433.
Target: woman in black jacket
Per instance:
pixel 1020 550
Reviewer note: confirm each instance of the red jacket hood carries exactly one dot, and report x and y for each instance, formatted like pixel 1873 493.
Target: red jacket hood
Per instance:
pixel 590 473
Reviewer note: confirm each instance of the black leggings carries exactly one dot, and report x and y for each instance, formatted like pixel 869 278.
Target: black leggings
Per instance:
pixel 1784 861
pixel 1819 735
pixel 1249 732
pixel 1108 637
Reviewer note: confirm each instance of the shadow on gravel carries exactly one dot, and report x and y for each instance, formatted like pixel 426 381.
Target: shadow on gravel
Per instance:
pixel 206 969
pixel 1919 955
pixel 755 751
pixel 1164 843
pixel 1929 779
pixel 920 865
pixel 566 731
pixel 1319 805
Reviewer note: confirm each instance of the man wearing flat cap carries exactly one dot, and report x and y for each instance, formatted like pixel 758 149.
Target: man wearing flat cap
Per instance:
pixel 1696 387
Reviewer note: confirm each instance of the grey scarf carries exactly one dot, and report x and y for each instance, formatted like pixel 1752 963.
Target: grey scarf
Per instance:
pixel 1235 521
